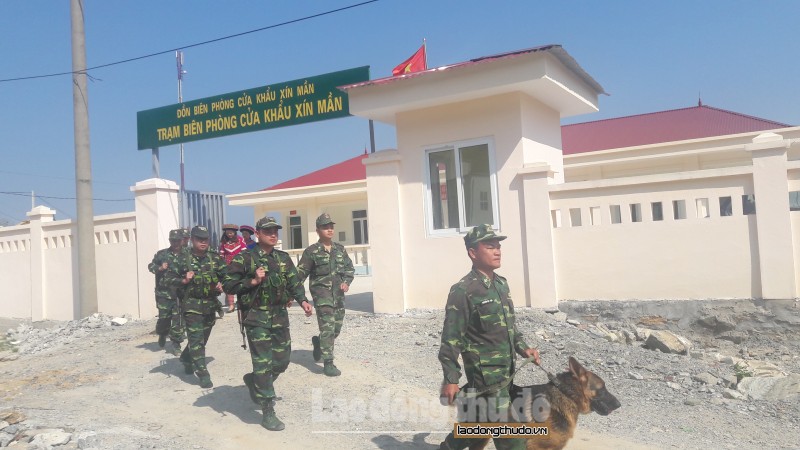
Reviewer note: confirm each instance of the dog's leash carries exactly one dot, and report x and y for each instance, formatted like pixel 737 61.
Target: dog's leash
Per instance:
pixel 502 385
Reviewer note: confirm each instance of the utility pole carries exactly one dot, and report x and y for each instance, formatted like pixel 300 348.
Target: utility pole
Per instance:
pixel 181 194
pixel 87 273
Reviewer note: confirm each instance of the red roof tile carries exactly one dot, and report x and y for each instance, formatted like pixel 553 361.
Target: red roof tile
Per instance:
pixel 653 128
pixel 350 170
pixel 664 126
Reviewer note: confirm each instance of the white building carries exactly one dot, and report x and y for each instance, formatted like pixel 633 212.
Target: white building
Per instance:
pixel 669 212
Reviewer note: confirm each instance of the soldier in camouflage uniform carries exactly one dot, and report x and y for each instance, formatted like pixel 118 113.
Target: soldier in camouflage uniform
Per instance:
pixel 479 326
pixel 198 275
pixel 169 315
pixel 266 281
pixel 331 272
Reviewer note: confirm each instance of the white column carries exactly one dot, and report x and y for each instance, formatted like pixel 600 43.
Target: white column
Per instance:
pixel 156 215
pixel 383 204
pixel 773 222
pixel 537 236
pixel 37 216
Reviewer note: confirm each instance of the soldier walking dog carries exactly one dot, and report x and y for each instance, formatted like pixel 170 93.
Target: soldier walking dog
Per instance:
pixel 558 404
pixel 479 326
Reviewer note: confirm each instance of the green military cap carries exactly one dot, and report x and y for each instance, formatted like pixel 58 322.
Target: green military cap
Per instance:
pixel 267 222
pixel 324 219
pixel 481 233
pixel 184 232
pixel 200 232
pixel 175 235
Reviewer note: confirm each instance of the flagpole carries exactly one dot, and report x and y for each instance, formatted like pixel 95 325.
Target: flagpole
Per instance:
pixel 425 50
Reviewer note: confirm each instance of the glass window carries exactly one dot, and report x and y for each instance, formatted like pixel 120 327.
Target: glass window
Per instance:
pixel 360 230
pixel 594 215
pixel 295 232
pixel 616 214
pixel 461 187
pixel 575 217
pixel 679 209
pixel 794 201
pixel 725 207
pixel 702 208
pixel 658 211
pixel 555 217
pixel 636 212
pixel 748 204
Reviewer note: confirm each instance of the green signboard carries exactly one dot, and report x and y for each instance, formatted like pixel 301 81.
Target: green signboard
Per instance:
pixel 277 105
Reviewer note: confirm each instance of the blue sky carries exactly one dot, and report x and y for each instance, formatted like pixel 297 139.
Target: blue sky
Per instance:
pixel 649 56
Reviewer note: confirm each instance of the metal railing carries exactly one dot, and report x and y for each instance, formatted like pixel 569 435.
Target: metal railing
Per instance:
pixel 360 254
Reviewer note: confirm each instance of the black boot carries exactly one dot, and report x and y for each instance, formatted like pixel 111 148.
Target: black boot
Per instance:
pixel 205 379
pixel 331 370
pixel 251 386
pixel 270 421
pixel 317 353
pixel 162 340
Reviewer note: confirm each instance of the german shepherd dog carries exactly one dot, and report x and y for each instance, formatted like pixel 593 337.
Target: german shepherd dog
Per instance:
pixel 579 391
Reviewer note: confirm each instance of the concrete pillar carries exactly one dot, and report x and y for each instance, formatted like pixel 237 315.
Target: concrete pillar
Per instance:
pixel 37 217
pixel 385 237
pixel 537 237
pixel 313 211
pixel 156 214
pixel 773 222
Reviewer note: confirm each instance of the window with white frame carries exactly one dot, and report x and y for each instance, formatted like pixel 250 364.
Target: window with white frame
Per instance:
pixel 461 187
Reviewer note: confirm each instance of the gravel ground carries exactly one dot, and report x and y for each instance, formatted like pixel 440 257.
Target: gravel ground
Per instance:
pixel 91 384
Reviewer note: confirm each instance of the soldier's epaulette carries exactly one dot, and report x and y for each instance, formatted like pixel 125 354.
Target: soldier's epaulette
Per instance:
pixel 280 252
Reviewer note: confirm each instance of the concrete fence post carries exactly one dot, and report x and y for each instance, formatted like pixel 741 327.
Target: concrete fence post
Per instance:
pixel 37 217
pixel 385 234
pixel 773 220
pixel 539 256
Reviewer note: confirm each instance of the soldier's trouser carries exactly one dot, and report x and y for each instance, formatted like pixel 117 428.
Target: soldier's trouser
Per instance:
pixel 169 319
pixel 198 329
pixel 270 350
pixel 329 320
pixel 487 408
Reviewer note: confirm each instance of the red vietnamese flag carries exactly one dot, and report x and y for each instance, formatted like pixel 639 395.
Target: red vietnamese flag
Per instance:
pixel 415 63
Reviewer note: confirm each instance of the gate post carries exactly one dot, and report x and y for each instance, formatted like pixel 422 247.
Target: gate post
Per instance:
pixel 156 214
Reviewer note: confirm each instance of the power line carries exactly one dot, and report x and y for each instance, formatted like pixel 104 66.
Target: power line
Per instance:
pixel 28 194
pixel 58 178
pixel 314 16
pixel 56 208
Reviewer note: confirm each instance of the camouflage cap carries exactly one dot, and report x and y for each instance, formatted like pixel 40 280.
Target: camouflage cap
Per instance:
pixel 481 233
pixel 267 222
pixel 200 232
pixel 324 219
pixel 175 235
pixel 184 233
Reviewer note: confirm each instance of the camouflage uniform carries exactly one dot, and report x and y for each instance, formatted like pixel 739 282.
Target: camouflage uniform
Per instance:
pixel 263 307
pixel 199 301
pixel 327 271
pixel 169 315
pixel 479 325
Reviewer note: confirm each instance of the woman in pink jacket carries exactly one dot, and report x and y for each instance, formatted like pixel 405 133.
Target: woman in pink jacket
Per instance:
pixel 230 245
